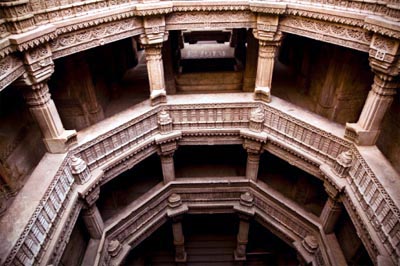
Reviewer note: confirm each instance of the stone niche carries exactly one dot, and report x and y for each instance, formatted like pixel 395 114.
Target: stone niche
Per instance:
pixel 327 79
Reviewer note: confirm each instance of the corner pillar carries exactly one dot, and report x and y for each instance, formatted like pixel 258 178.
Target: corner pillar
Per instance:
pixel 384 57
pixel 168 143
pixel 250 70
pixel 91 215
pixel 254 139
pixel 176 209
pixel 269 39
pixel 246 211
pixel 332 209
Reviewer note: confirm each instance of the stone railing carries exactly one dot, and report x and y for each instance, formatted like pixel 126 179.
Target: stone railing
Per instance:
pixel 144 218
pixel 37 233
pixel 122 147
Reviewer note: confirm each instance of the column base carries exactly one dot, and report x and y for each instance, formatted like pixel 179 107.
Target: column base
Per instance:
pixel 238 257
pixel 262 94
pixel 158 96
pixel 361 136
pixel 62 143
pixel 181 259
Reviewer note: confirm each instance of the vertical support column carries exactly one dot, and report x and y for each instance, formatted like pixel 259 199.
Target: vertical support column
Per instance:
pixel 246 211
pixel 91 215
pixel 155 70
pixel 43 109
pixel 167 51
pixel 168 144
pixel 250 71
pixel 167 165
pixel 93 221
pixel 39 67
pixel 152 40
pixel 269 39
pixel 332 208
pixel 330 215
pixel 384 57
pixel 175 211
pixel 253 161
pixel 254 138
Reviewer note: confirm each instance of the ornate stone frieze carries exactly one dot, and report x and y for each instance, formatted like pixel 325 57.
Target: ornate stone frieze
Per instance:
pixel 87 38
pixel 17 15
pixel 342 35
pixel 11 68
pixel 210 20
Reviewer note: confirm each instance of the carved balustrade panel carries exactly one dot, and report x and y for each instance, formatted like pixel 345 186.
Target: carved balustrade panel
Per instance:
pixel 376 203
pixel 38 231
pixel 113 143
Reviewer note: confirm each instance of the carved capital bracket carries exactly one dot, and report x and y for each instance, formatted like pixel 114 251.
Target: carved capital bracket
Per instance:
pixel 39 64
pixel 154 31
pixel 90 196
pixel 168 142
pixel 384 54
pixel 267 29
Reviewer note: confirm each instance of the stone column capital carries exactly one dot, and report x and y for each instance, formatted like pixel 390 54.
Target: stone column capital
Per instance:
pixel 154 30
pixel 90 197
pixel 38 63
pixel 384 54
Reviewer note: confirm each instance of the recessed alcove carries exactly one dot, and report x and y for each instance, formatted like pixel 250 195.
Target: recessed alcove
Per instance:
pixel 210 161
pixel 128 186
pixel 327 79
pixel 98 83
pixel 292 182
pixel 350 243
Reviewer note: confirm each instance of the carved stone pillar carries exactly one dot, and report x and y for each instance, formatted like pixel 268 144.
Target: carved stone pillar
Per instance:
pixel 43 109
pixel 175 210
pixel 39 67
pixel 250 71
pixel 253 142
pixel 269 39
pixel 91 215
pixel 167 141
pixel 152 40
pixel 384 58
pixel 332 208
pixel 93 221
pixel 246 211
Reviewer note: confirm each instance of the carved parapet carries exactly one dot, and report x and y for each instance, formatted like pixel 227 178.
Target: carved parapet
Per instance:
pixel 343 163
pixel 79 170
pixel 17 15
pixel 164 122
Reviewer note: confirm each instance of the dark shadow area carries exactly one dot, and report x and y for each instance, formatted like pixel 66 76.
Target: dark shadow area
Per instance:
pixel 210 161
pixel 130 185
pixel 292 182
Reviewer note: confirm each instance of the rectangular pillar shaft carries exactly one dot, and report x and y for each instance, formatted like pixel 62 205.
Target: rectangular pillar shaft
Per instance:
pixel 93 221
